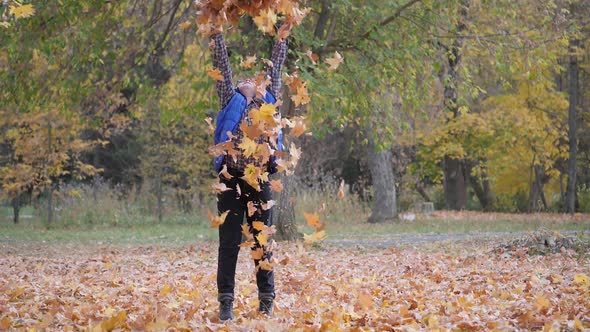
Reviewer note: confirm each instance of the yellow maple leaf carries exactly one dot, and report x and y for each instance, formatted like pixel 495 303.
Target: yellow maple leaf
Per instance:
pixel 262 239
pixel 302 96
pixel 314 237
pixel 266 21
pixel 249 146
pixel 251 174
pixel 258 225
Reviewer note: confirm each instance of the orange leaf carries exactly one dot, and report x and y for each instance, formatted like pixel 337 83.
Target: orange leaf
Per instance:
pixel 215 74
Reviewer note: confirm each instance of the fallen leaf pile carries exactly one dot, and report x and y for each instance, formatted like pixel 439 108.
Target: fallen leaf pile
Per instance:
pixel 326 289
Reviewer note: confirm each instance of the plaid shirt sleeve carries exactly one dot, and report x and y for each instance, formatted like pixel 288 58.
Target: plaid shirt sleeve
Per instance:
pixel 279 52
pixel 225 88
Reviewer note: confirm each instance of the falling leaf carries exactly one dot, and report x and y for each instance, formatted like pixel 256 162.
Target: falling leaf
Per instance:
pixel 249 146
pixel 185 25
pixel 295 153
pixel 225 173
pixel 335 61
pixel 266 21
pixel 301 97
pixel 216 220
pixel 248 244
pixel 251 208
pixel 313 220
pixel 298 127
pixel 246 232
pixel 258 225
pixel 219 187
pixel 215 74
pixel 312 57
pixel 262 239
pixel 248 62
pixel 257 253
pixel 276 185
pixel 268 205
pixel 314 237
pixel 251 174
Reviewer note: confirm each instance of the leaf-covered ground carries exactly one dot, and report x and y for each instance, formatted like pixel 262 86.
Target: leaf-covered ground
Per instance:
pixel 466 287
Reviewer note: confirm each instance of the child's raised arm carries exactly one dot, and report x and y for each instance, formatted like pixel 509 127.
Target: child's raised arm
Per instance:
pixel 225 88
pixel 279 52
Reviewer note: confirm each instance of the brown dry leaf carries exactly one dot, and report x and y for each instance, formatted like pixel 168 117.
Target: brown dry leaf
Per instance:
pixel 312 57
pixel 248 62
pixel 335 61
pixel 299 127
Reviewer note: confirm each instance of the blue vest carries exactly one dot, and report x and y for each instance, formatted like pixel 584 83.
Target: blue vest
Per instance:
pixel 229 119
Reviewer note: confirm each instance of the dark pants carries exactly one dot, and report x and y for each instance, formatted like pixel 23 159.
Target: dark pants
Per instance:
pixel 230 234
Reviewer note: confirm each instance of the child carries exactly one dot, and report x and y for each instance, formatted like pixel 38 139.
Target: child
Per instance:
pixel 239 101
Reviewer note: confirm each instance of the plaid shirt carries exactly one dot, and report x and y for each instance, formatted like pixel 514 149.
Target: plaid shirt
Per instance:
pixel 226 90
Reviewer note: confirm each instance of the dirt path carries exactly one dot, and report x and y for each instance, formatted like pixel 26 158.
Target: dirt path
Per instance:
pixel 390 240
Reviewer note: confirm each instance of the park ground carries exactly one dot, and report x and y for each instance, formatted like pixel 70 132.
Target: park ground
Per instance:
pixel 447 271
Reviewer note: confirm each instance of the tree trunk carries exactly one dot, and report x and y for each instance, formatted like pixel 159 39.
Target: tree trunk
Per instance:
pixel 454 183
pixel 383 180
pixel 455 178
pixel 16 209
pixel 283 214
pixel 482 189
pixel 570 199
pixel 50 191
